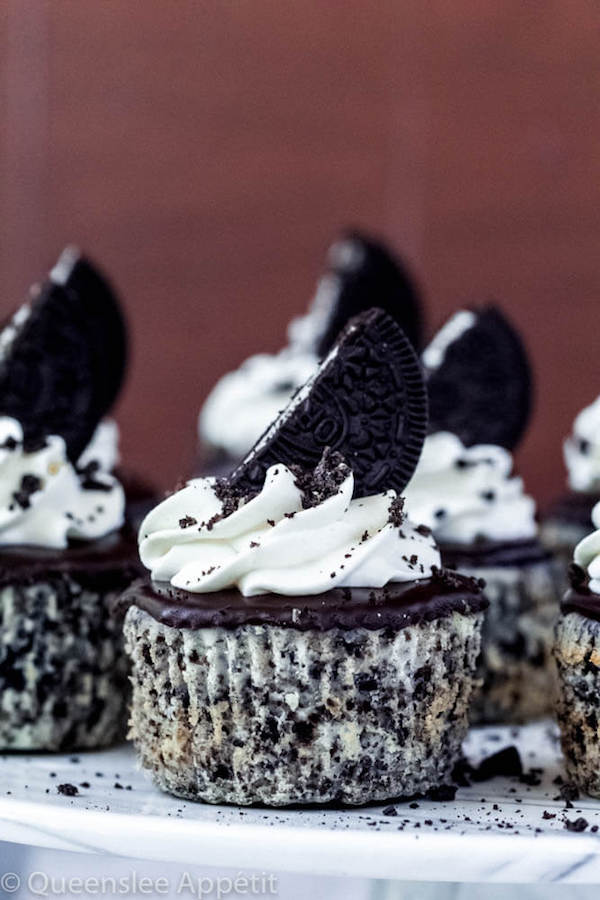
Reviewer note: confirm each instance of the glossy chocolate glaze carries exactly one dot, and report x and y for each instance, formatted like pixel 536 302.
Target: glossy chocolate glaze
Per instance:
pixel 493 553
pixel 582 601
pixel 394 606
pixel 574 508
pixel 108 561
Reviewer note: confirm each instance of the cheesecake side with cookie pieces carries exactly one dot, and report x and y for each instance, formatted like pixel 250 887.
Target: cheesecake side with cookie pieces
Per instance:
pixel 296 640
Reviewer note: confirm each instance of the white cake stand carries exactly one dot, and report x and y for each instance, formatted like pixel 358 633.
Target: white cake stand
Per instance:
pixel 494 831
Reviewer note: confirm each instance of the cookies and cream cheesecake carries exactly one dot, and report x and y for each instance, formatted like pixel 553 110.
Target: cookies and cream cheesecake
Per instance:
pixel 484 522
pixel 65 549
pixel 577 654
pixel 297 640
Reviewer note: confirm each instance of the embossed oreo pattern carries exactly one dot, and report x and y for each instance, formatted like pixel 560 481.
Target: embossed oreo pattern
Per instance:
pixel 482 389
pixel 367 401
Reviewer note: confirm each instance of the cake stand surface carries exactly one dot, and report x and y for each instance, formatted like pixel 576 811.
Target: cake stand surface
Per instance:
pixel 502 830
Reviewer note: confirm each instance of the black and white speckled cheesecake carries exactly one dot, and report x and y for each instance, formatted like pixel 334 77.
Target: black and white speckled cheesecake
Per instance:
pixel 516 665
pixel 63 672
pixel 485 527
pixel 577 654
pixel 464 489
pixel 352 695
pixel 297 641
pixel 65 550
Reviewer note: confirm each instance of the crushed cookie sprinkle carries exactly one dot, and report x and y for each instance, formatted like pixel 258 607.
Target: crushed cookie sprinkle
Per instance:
pixel 324 481
pixel 187 522
pixel 396 514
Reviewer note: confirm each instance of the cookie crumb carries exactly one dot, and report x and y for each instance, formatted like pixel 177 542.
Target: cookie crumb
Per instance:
pixel 187 522
pixel 576 825
pixel 68 790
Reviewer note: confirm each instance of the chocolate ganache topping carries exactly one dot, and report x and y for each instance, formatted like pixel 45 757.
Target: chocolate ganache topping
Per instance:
pixel 393 606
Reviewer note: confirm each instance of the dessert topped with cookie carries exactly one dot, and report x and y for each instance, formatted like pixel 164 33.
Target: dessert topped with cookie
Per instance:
pixel 296 600
pixel 65 546
pixel 480 395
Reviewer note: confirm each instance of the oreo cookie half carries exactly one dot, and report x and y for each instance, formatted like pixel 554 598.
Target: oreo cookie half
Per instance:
pixel 366 400
pixel 479 379
pixel 108 330
pixel 363 273
pixel 63 356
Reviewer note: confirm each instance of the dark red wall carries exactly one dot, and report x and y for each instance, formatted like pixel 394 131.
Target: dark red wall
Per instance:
pixel 206 153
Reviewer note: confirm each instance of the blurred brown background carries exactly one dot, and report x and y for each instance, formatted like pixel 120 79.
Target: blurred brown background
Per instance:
pixel 206 154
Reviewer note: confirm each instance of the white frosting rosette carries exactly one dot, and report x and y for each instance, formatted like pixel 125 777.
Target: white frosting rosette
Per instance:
pixel 465 493
pixel 272 543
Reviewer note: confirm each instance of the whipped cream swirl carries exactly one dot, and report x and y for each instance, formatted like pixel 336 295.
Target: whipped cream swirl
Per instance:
pixel 464 494
pixel 243 403
pixel 46 501
pixel 272 543
pixel 582 450
pixel 587 553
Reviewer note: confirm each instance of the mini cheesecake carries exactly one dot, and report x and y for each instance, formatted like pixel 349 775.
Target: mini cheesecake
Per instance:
pixel 485 527
pixel 577 652
pixel 297 640
pixel 479 386
pixel 63 672
pixel 66 551
pixel 361 272
pixel 352 696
